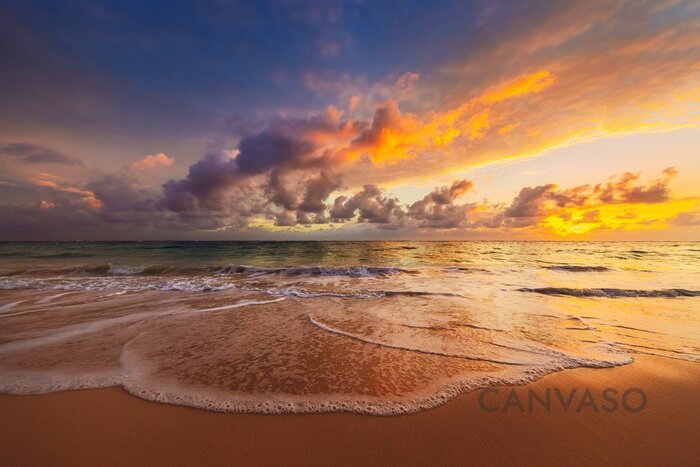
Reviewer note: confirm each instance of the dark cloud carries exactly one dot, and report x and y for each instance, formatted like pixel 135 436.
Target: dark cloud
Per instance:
pixel 279 194
pixel 577 196
pixel 271 149
pixel 203 185
pixel 371 206
pixel 448 194
pixel 303 203
pixel 285 146
pixel 293 143
pixel 29 153
pixel 67 221
pixel 318 190
pixel 122 193
pixel 623 190
pixel 437 209
pixel 530 201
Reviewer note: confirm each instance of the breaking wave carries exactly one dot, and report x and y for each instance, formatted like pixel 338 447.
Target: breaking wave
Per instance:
pixel 301 293
pixel 577 268
pixel 112 269
pixel 350 271
pixel 612 293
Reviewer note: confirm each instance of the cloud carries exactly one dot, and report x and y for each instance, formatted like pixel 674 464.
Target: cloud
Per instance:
pixel 535 202
pixel 553 77
pixel 318 190
pixel 304 203
pixel 406 83
pixel 687 219
pixel 285 146
pixel 526 84
pixel 530 201
pixel 353 102
pixel 371 206
pixel 151 162
pixel 119 193
pixel 437 209
pixel 623 189
pixel 285 155
pixel 292 187
pixel 393 136
pixel 299 200
pixel 29 153
pixel 562 76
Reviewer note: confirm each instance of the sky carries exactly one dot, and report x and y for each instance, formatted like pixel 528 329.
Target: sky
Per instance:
pixel 484 120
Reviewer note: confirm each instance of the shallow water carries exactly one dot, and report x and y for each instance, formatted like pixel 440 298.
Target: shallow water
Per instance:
pixel 370 327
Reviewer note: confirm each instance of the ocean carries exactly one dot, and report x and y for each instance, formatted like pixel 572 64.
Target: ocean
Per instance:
pixel 369 327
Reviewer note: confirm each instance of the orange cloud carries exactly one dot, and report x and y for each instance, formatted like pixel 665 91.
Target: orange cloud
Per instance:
pixel 477 125
pixel 151 162
pixel 394 136
pixel 63 188
pixel 86 197
pixel 526 84
pixel 353 102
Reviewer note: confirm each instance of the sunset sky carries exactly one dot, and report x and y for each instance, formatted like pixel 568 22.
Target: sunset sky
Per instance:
pixel 574 120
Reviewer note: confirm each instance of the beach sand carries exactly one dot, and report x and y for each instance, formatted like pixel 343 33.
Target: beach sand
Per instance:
pixel 111 427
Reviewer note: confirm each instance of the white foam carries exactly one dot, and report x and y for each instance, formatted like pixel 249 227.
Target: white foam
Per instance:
pixel 52 297
pixel 368 340
pixel 244 303
pixel 11 305
pixel 76 330
pixel 124 270
pixel 300 293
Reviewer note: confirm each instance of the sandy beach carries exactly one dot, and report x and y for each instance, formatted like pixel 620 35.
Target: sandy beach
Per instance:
pixel 111 427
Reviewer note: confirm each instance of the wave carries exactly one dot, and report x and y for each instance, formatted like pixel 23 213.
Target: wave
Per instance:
pixel 10 272
pixel 368 340
pixel 195 284
pixel 112 269
pixel 301 293
pixel 577 268
pixel 101 269
pixel 613 293
pixel 350 271
pixel 463 269
pixel 154 269
pixel 128 284
pixel 66 254
pixel 244 303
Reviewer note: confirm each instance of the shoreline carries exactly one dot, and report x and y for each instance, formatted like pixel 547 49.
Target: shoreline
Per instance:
pixel 111 427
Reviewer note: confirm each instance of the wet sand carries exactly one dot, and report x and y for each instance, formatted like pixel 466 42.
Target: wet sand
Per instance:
pixel 111 427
